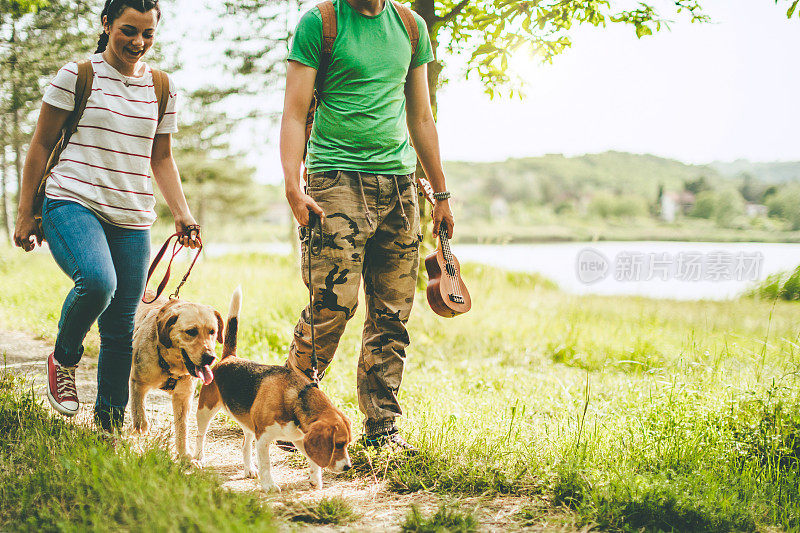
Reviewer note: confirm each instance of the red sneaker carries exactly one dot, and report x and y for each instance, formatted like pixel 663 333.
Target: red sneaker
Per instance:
pixel 61 389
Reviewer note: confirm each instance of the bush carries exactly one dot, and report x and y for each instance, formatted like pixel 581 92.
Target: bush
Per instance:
pixel 605 205
pixel 785 204
pixel 722 206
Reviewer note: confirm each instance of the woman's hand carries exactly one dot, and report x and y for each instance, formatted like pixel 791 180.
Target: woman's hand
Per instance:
pixel 189 230
pixel 26 232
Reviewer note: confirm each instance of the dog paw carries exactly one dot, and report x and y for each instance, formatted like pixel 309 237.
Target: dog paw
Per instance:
pixel 250 473
pixel 315 478
pixel 270 487
pixel 198 463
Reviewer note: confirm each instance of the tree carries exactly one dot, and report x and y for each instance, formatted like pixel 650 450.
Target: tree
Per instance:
pixel 215 181
pixel 785 203
pixel 704 205
pixel 697 186
pixel 36 38
pixel 489 32
pixel 723 205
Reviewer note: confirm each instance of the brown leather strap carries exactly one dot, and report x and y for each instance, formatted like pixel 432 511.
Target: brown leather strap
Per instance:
pixel 161 87
pixel 83 88
pixel 411 25
pixel 176 248
pixel 329 30
pixel 329 27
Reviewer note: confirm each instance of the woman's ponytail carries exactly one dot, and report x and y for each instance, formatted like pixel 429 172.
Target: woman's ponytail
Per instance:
pixel 102 42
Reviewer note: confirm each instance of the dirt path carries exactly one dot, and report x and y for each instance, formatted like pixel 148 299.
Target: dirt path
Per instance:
pixel 380 510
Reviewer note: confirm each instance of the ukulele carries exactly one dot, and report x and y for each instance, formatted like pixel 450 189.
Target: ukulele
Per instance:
pixel 447 294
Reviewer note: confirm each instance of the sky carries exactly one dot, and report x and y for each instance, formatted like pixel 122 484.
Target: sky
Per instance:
pixel 698 93
pixel 720 91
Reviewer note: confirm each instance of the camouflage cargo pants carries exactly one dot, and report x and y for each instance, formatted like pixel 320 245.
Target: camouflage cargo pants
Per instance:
pixel 371 230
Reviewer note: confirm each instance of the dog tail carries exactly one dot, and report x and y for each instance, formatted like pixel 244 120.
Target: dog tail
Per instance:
pixel 232 326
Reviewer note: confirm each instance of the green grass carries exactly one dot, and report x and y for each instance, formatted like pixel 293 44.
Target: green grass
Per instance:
pixel 447 519
pixel 334 510
pixel 60 476
pixel 628 412
pixel 783 285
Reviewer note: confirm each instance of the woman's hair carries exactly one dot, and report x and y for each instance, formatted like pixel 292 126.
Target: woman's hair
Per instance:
pixel 114 9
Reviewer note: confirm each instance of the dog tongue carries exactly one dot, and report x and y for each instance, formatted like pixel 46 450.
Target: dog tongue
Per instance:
pixel 206 375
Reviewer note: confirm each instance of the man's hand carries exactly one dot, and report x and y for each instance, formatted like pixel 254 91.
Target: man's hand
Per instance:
pixel 26 232
pixel 301 204
pixel 443 215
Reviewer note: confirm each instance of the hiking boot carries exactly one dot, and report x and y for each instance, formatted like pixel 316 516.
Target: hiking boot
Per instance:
pixel 61 390
pixel 391 441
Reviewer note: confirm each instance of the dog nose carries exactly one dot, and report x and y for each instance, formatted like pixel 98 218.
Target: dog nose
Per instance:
pixel 207 359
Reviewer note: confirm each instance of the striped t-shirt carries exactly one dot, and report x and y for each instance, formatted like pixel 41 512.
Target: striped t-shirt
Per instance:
pixel 106 165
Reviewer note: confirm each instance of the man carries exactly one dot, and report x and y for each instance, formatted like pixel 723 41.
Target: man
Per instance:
pixel 360 182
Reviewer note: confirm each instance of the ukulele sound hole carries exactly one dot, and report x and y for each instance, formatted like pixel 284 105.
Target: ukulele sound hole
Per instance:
pixel 456 298
pixel 451 270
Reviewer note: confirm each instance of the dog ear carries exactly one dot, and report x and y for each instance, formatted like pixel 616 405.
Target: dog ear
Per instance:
pixel 319 443
pixel 220 327
pixel 164 321
pixel 347 425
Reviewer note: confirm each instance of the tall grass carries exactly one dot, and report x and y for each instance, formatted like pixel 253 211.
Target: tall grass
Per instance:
pixel 783 285
pixel 634 413
pixel 60 476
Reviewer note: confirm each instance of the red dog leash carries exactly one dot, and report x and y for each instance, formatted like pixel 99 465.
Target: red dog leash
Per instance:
pixel 176 248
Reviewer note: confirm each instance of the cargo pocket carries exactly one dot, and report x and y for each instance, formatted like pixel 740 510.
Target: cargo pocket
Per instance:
pixel 320 181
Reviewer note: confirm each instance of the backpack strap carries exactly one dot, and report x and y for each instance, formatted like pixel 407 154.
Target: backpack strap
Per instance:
pixel 410 23
pixel 161 87
pixel 329 31
pixel 83 89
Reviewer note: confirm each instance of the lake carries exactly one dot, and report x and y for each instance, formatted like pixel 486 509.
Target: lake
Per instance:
pixel 657 269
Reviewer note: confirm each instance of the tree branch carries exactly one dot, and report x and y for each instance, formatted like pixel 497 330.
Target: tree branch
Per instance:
pixel 453 13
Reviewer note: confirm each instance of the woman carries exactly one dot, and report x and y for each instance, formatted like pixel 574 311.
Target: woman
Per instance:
pixel 98 205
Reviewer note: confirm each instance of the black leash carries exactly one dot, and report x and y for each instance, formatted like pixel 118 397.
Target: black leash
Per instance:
pixel 312 236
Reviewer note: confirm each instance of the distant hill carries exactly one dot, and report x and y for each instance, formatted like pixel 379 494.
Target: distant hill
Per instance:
pixel 548 178
pixel 767 172
pixel 543 179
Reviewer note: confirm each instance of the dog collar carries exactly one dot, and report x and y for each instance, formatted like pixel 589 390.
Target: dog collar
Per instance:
pixel 171 380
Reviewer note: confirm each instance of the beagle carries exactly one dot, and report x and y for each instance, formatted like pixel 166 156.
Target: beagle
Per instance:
pixel 269 403
pixel 173 343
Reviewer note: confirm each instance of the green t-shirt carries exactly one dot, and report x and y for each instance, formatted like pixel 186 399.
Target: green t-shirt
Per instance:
pixel 361 122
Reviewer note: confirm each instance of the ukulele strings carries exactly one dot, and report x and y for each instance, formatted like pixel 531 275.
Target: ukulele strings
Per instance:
pixel 448 256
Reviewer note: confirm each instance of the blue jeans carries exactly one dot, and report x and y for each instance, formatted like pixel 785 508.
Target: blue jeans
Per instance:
pixel 109 267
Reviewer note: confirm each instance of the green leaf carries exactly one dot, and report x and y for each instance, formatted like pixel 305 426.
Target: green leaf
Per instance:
pixel 485 49
pixel 790 12
pixel 526 24
pixel 642 31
